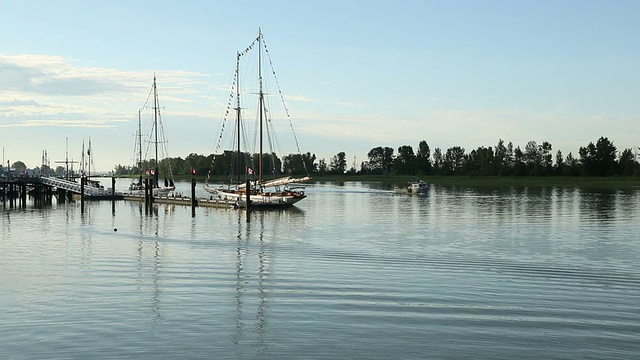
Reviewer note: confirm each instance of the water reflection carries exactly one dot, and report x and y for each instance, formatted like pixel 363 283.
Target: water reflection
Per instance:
pixel 350 273
pixel 249 231
pixel 598 205
pixel 149 256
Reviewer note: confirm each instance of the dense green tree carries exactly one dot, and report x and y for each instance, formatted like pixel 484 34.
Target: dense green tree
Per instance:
pixel 519 164
pixel 299 164
pixel 380 160
pixel 500 161
pixel 627 163
pixel 559 166
pixel 453 161
pixel 322 167
pixel 118 170
pixel 309 163
pixel 546 158
pixel 571 166
pixel 405 161
pixel 338 163
pixel 19 166
pixel 387 160
pixel 533 158
pixel 375 163
pixel 438 160
pixel 271 164
pixel 599 159
pixel 423 159
pixel 510 158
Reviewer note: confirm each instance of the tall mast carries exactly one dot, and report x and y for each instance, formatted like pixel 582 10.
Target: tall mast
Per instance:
pixel 82 161
pixel 90 159
pixel 238 113
pixel 155 125
pixel 261 96
pixel 66 159
pixel 140 146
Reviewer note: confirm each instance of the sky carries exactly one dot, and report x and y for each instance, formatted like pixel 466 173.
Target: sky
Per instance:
pixel 355 74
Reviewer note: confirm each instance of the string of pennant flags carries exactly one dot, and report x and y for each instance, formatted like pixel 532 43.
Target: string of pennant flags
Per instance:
pixel 229 107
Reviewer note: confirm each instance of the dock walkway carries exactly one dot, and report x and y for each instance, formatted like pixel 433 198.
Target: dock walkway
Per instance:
pixel 186 201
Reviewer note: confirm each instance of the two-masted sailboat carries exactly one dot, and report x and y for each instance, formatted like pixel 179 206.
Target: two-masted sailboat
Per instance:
pixel 276 192
pixel 158 189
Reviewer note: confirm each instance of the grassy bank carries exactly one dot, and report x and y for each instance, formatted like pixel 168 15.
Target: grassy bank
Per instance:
pixel 500 181
pixel 614 182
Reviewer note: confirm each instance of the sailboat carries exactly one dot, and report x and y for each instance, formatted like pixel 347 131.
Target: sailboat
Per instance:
pixel 85 167
pixel 277 192
pixel 158 189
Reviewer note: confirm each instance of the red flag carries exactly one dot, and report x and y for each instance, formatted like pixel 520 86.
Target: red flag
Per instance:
pixel 250 171
pixel 193 171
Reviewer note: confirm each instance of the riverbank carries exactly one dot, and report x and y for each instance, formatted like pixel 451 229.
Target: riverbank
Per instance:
pixel 612 182
pixel 499 181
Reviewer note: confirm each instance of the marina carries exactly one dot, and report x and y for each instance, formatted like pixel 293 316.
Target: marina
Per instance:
pixel 423 180
pixel 44 189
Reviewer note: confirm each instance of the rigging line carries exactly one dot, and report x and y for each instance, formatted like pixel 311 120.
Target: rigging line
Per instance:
pixel 144 106
pixel 149 141
pixel 165 146
pixel 272 139
pixel 224 121
pixel 266 50
pixel 148 97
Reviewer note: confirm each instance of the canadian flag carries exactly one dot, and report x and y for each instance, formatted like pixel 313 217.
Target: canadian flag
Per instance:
pixel 152 172
pixel 193 171
pixel 250 171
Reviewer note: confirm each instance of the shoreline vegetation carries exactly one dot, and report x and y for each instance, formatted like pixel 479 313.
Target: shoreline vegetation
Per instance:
pixel 608 182
pixel 598 165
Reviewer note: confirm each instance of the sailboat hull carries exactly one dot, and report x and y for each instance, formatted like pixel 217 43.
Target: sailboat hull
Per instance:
pixel 275 199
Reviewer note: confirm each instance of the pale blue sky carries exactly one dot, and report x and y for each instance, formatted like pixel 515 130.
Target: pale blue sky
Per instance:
pixel 356 74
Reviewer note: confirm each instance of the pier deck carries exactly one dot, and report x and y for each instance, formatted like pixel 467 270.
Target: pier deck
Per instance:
pixel 186 201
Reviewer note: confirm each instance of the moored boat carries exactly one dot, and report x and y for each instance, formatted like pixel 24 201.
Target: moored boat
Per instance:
pixel 277 192
pixel 157 188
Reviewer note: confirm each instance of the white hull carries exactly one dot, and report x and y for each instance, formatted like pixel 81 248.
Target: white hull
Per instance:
pixel 416 187
pixel 275 199
pixel 162 191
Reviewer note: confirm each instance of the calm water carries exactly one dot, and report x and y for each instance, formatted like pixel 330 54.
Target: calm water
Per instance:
pixel 352 271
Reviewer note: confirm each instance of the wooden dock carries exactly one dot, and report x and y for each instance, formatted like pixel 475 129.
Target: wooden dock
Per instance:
pixel 186 201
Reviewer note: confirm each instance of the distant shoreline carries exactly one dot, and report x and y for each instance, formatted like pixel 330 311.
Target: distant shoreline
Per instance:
pixel 611 182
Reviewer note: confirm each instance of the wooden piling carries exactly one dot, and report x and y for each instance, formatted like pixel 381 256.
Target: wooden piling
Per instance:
pixel 113 195
pixel 146 196
pixel 194 202
pixel 248 199
pixel 82 180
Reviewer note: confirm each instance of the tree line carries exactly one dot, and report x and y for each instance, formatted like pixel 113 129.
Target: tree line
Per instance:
pixel 601 158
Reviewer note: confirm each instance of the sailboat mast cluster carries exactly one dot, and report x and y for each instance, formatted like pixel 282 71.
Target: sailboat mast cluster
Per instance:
pixel 274 192
pixel 137 188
